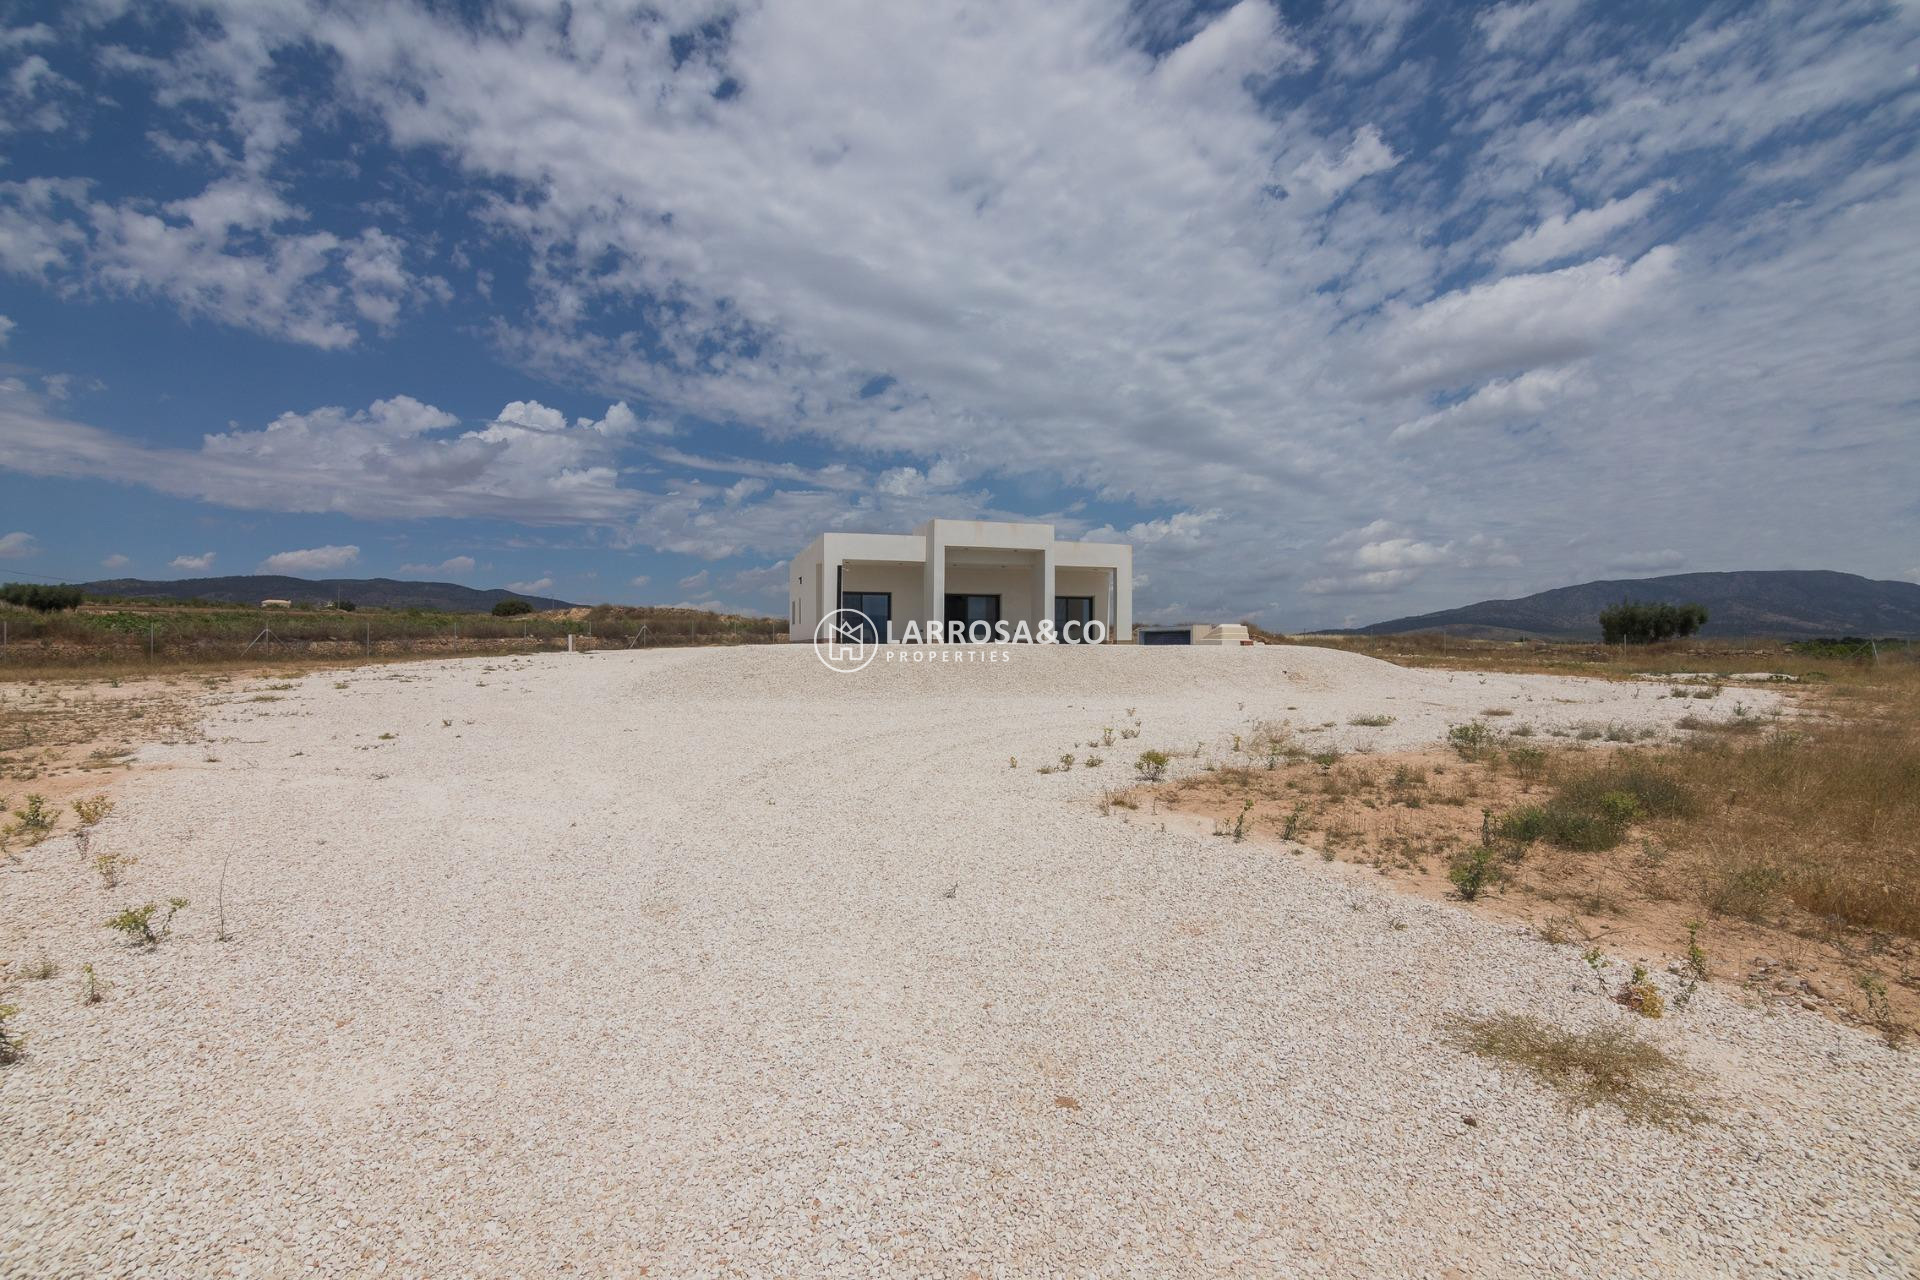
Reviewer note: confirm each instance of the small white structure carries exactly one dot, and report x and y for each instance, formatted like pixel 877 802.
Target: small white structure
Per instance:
pixel 276 604
pixel 963 571
pixel 1202 633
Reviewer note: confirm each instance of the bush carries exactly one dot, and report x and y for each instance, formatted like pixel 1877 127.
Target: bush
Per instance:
pixel 139 925
pixel 511 608
pixel 10 1050
pixel 1654 792
pixel 1473 873
pixel 41 597
pixel 1631 622
pixel 1152 765
pixel 1470 739
pixel 345 606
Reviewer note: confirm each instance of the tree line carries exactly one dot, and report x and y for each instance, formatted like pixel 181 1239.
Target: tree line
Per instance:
pixel 1641 622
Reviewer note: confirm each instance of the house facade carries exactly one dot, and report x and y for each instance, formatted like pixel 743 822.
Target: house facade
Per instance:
pixel 964 572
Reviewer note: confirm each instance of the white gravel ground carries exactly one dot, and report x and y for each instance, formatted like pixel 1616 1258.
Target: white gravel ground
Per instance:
pixel 714 963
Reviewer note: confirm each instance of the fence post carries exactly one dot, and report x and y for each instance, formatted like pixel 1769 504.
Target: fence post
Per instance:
pixel 149 642
pixel 369 639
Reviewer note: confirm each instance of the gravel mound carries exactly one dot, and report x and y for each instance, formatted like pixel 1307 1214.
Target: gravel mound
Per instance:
pixel 715 963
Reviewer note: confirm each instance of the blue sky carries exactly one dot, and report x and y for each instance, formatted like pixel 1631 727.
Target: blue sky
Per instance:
pixel 1336 312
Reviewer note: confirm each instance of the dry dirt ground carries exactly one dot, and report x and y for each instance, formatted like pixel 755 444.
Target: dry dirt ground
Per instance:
pixel 715 963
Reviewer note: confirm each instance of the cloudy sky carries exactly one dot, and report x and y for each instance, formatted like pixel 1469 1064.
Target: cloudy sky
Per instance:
pixel 1336 311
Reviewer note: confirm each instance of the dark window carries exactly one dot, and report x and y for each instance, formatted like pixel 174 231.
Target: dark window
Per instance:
pixel 1165 635
pixel 1072 609
pixel 876 623
pixel 972 609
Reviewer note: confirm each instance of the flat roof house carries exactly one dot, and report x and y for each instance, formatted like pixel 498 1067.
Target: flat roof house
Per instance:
pixel 963 571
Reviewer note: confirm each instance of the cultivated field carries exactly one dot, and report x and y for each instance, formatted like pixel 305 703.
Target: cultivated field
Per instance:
pixel 710 962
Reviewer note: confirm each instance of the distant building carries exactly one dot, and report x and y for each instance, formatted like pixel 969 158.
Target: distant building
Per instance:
pixel 276 604
pixel 964 571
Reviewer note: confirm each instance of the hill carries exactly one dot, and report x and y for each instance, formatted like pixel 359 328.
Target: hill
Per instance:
pixel 1785 602
pixel 378 593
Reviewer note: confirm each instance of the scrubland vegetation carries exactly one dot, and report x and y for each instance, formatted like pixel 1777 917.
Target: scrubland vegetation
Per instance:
pixel 1797 833
pixel 129 637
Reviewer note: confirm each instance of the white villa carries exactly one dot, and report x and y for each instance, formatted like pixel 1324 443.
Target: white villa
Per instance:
pixel 963 571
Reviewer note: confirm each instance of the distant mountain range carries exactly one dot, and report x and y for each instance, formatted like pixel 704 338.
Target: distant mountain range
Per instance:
pixel 1784 602
pixel 379 593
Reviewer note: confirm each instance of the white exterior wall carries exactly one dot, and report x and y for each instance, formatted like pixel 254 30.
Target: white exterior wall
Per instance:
pixel 1021 563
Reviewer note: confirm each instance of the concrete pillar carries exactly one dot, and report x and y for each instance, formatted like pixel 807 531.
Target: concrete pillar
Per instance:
pixel 934 607
pixel 1043 589
pixel 829 588
pixel 1123 604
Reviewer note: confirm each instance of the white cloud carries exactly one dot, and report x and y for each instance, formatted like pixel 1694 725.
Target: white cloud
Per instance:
pixel 115 561
pixel 694 581
pixel 454 566
pixel 536 587
pixel 1367 154
pixel 310 560
pixel 1381 557
pixel 396 457
pixel 639 580
pixel 192 564
pixel 6 330
pixel 18 546
pixel 1563 235
pixel 1516 322
pixel 1498 401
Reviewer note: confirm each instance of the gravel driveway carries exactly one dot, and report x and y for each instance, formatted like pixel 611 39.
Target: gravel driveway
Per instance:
pixel 715 963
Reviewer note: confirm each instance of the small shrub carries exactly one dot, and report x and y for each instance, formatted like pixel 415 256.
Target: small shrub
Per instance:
pixel 92 990
pixel 1529 763
pixel 111 866
pixel 1371 722
pixel 92 809
pixel 1497 711
pixel 1094 762
pixel 1696 954
pixel 1290 825
pixel 1608 1064
pixel 1013 762
pixel 1558 929
pixel 1524 825
pixel 1326 759
pixel 139 925
pixel 39 969
pixel 1066 760
pixel 1473 872
pixel 1641 996
pixel 1470 739
pixel 11 1049
pixel 1240 822
pixel 33 820
pixel 1152 765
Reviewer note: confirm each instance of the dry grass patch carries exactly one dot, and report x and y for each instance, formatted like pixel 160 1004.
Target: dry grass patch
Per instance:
pixel 1609 1064
pixel 1796 839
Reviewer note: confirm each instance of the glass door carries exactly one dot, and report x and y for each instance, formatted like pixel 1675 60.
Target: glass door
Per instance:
pixel 875 625
pixel 1076 609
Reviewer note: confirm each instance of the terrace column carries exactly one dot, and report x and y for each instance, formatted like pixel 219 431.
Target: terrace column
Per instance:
pixel 1043 588
pixel 829 587
pixel 1123 603
pixel 934 577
